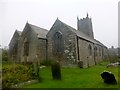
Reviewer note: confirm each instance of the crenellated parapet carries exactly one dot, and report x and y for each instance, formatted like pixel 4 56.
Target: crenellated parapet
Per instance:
pixel 85 26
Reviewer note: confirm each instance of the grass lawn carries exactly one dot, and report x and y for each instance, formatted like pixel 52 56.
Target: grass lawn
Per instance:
pixel 76 78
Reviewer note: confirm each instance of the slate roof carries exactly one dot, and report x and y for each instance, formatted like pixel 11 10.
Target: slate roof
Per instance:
pixel 41 32
pixel 82 35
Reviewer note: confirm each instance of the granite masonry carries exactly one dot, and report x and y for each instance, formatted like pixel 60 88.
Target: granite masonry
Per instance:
pixel 62 43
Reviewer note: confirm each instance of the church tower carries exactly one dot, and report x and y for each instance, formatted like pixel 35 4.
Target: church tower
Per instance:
pixel 85 26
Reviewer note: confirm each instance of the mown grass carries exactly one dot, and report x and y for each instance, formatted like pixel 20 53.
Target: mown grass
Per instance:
pixel 76 78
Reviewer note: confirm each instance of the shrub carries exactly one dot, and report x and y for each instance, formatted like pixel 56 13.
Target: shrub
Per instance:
pixel 4 56
pixel 14 74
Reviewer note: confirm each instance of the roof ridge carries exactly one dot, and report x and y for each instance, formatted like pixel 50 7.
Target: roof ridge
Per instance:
pixel 19 32
pixel 40 32
pixel 66 24
pixel 37 26
pixel 82 35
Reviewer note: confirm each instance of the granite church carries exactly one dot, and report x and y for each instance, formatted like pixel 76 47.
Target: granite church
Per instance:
pixel 62 42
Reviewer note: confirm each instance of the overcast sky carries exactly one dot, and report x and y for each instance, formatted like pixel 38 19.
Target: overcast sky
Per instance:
pixel 104 13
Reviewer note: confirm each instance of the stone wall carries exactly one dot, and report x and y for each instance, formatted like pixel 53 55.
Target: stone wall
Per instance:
pixel 90 59
pixel 62 44
pixel 68 57
pixel 75 48
pixel 42 49
pixel 105 53
pixel 36 46
pixel 98 56
pixel 84 54
pixel 13 47
pixel 27 37
pixel 70 48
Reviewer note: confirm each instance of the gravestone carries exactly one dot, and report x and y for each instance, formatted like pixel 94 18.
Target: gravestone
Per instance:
pixel 108 77
pixel 116 64
pixel 119 63
pixel 80 64
pixel 56 70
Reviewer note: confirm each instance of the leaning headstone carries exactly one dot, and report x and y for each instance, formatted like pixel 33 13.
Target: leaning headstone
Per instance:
pixel 108 77
pixel 56 70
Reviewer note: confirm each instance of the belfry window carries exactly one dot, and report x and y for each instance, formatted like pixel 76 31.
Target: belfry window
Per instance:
pixel 26 48
pixel 90 50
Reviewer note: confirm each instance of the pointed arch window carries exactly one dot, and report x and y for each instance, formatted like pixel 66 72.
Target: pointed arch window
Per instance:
pixel 26 48
pixel 100 51
pixel 15 49
pixel 58 46
pixel 90 49
pixel 95 51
